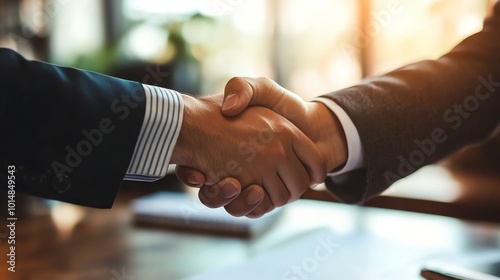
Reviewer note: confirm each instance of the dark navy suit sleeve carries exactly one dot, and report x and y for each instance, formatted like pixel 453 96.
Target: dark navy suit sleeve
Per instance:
pixel 70 134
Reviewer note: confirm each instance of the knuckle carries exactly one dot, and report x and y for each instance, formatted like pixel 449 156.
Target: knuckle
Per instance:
pixel 235 81
pixel 282 129
pixel 265 80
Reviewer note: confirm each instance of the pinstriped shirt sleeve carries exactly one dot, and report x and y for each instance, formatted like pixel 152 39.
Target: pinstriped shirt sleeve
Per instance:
pixel 158 136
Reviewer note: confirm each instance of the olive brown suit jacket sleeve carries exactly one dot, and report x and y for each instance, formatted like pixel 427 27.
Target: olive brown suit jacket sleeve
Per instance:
pixel 422 112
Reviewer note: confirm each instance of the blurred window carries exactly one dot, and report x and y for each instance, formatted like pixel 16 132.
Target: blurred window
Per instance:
pixel 312 47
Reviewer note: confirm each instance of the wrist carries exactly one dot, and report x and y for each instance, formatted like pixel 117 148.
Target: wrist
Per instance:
pixel 188 130
pixel 198 126
pixel 331 138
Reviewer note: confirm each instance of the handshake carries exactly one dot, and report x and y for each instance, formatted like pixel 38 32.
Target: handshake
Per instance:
pixel 256 147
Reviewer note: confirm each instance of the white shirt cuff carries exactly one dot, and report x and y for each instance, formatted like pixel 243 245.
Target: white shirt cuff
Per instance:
pixel 160 130
pixel 354 147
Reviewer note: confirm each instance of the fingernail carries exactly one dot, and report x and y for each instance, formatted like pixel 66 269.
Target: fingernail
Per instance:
pixel 253 196
pixel 229 190
pixel 313 186
pixel 230 102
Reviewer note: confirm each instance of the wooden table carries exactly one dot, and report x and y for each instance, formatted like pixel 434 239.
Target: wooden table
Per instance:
pixel 370 243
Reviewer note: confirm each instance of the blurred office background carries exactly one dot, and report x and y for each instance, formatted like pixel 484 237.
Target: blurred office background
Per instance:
pixel 308 47
pixel 195 46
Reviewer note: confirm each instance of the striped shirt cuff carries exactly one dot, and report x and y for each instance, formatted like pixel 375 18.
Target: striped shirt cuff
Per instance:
pixel 158 136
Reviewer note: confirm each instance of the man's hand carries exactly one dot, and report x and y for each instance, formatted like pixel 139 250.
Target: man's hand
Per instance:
pixel 313 118
pixel 258 147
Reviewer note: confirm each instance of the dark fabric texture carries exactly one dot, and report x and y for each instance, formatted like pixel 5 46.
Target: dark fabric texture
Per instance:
pixel 69 133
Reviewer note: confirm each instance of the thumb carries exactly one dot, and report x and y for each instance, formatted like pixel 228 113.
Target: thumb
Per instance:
pixel 190 176
pixel 243 92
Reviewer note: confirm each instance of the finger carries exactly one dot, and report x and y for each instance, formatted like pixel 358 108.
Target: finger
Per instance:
pixel 237 96
pixel 295 177
pixel 190 176
pixel 311 158
pixel 249 199
pixel 220 194
pixel 277 189
pixel 264 207
pixel 243 92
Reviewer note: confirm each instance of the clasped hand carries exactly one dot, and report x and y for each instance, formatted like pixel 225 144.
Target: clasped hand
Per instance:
pixel 257 147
